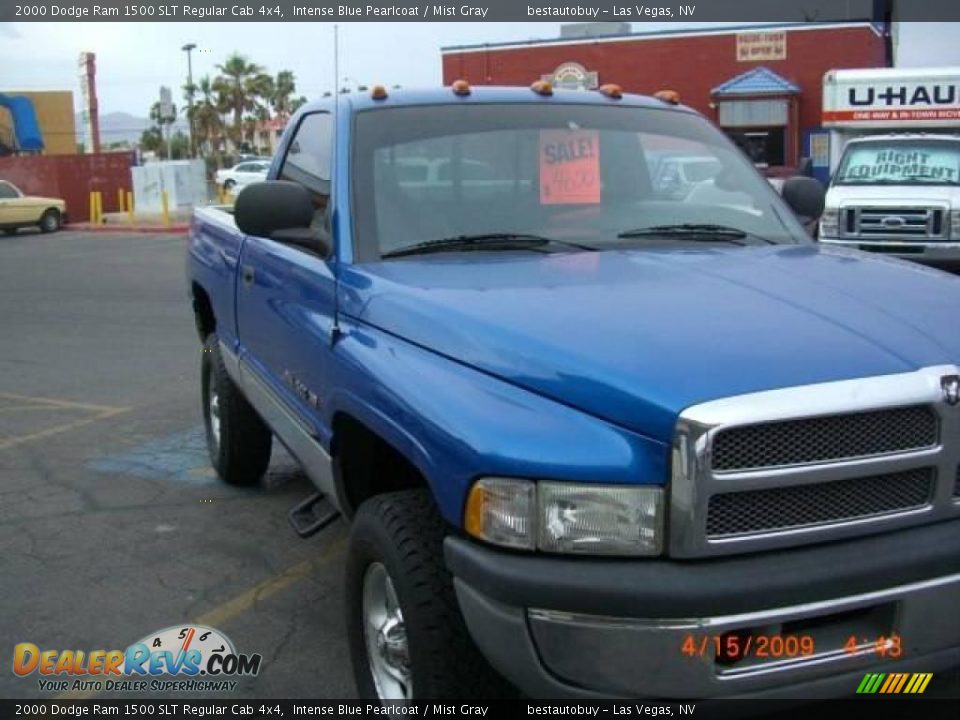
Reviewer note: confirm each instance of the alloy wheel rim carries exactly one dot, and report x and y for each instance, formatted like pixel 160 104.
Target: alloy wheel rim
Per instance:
pixel 214 411
pixel 385 633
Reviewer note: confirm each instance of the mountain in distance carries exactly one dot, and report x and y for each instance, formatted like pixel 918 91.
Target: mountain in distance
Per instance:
pixel 122 126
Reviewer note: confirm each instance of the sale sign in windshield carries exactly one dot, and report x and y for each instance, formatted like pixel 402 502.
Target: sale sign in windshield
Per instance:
pixel 569 167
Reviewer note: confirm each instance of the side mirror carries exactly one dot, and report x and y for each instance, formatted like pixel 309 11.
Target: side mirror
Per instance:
pixel 282 211
pixel 805 196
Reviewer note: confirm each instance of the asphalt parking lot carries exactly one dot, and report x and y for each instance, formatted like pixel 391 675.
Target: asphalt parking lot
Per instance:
pixel 112 524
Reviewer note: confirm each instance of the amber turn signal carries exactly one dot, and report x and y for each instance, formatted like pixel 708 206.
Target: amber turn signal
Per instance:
pixel 460 87
pixel 378 92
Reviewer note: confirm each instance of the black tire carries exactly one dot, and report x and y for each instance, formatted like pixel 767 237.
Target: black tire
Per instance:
pixel 50 221
pixel 403 532
pixel 240 452
pixel 10 231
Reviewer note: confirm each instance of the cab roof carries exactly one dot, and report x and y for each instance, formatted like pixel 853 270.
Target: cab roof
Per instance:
pixel 486 94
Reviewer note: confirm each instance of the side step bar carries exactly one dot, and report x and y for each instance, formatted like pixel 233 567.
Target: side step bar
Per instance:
pixel 312 515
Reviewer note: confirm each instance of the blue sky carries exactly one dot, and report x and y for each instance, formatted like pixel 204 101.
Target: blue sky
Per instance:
pixel 134 59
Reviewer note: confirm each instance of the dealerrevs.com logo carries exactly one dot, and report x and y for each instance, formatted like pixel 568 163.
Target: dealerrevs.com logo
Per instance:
pixel 179 658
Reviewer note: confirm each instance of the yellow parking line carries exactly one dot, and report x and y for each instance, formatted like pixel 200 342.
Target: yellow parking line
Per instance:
pixel 248 599
pixel 244 601
pixel 57 429
pixel 56 403
pixel 18 408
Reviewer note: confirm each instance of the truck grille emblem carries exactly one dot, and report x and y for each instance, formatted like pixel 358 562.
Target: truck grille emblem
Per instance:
pixel 951 388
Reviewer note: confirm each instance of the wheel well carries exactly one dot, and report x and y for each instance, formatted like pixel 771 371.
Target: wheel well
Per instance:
pixel 203 312
pixel 367 465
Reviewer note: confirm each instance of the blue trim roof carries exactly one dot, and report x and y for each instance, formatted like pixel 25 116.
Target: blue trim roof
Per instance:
pixel 759 81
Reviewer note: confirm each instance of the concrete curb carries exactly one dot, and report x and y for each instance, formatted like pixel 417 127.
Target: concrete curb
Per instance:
pixel 174 229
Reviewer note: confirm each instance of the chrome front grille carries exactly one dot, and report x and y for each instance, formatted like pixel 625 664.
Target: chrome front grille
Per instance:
pixel 820 439
pixel 815 463
pixel 797 506
pixel 909 224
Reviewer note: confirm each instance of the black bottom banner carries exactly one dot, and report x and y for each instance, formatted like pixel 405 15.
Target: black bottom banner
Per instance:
pixel 875 708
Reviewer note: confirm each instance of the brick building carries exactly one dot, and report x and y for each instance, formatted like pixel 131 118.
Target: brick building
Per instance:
pixel 761 84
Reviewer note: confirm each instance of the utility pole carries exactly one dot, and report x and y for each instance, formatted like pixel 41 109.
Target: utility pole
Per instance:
pixel 188 49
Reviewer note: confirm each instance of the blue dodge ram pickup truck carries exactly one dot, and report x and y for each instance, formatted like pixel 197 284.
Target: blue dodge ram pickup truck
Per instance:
pixel 594 436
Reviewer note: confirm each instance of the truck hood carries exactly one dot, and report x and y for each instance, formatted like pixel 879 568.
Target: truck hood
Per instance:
pixel 893 195
pixel 634 337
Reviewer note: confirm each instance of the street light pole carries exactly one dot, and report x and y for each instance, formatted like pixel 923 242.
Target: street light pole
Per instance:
pixel 188 49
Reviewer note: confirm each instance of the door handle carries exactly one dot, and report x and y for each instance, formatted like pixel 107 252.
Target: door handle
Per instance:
pixel 247 275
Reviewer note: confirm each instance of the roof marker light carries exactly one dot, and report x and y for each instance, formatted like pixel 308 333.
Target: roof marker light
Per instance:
pixel 542 87
pixel 668 96
pixel 460 87
pixel 611 90
pixel 378 92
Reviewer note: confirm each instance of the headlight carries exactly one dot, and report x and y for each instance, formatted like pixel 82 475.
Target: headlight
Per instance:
pixel 830 223
pixel 955 224
pixel 577 518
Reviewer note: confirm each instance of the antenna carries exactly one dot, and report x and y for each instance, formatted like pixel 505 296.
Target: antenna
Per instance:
pixel 335 329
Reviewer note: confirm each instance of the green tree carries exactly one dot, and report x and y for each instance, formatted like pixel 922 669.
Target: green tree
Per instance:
pixel 284 86
pixel 151 140
pixel 242 86
pixel 207 122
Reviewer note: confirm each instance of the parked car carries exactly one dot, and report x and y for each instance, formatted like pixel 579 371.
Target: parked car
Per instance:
pixel 19 211
pixel 241 175
pixel 897 194
pixel 591 440
pixel 678 175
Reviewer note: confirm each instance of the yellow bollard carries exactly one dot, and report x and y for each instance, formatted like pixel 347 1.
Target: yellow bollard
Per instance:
pixel 165 200
pixel 130 206
pixel 93 208
pixel 120 196
pixel 99 207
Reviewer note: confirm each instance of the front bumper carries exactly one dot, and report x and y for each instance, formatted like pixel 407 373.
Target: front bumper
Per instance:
pixel 582 628
pixel 940 254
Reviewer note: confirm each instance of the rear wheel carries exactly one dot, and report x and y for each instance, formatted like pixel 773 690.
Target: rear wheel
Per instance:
pixel 50 221
pixel 10 231
pixel 239 442
pixel 408 640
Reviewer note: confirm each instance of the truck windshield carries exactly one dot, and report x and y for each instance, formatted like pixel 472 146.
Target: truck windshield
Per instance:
pixel 586 177
pixel 900 162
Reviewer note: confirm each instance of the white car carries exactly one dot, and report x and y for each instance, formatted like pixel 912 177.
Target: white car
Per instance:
pixel 235 178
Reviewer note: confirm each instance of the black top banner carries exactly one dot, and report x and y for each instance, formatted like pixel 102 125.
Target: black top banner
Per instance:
pixel 478 10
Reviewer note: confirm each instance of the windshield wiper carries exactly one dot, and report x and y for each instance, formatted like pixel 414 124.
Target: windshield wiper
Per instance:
pixel 483 241
pixel 697 232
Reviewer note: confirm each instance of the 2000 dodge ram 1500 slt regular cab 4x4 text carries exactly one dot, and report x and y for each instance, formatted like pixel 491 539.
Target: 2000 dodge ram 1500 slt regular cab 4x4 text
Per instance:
pixel 593 438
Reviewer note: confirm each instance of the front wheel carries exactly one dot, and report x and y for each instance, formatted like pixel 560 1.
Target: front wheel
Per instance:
pixel 50 221
pixel 407 638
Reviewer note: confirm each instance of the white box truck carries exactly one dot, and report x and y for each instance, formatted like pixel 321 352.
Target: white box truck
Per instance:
pixel 894 162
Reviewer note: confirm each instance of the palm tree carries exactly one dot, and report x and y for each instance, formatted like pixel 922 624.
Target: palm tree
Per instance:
pixel 240 85
pixel 284 86
pixel 207 122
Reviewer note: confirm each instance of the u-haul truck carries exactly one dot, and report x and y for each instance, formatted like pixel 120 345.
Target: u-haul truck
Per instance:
pixel 894 151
